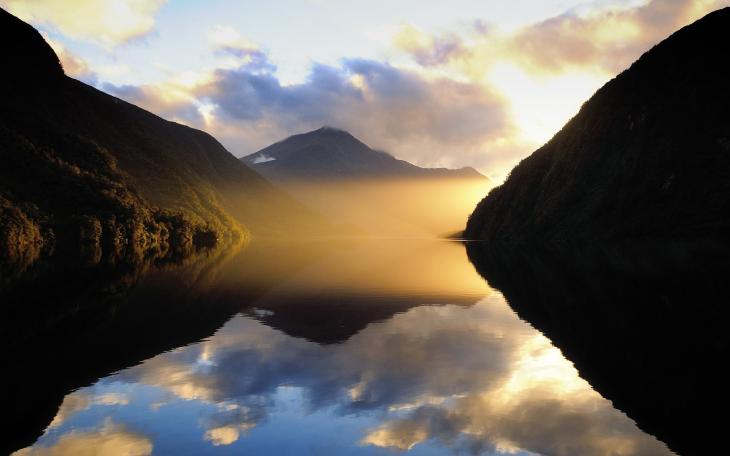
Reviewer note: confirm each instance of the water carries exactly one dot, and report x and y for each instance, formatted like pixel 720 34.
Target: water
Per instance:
pixel 369 347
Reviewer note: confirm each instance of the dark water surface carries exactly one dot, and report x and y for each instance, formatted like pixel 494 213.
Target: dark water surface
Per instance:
pixel 369 347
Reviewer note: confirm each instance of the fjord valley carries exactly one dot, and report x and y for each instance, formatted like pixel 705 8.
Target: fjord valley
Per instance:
pixel 229 230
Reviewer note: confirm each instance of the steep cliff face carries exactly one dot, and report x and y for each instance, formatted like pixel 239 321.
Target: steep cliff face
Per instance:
pixel 647 156
pixel 79 166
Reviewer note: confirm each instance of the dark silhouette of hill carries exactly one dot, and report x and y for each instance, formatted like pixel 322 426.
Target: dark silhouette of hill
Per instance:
pixel 330 153
pixel 644 323
pixel 630 206
pixel 83 167
pixel 335 317
pixel 647 156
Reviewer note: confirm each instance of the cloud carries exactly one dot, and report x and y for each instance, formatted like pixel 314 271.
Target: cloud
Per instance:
pixel 418 373
pixel 170 101
pixel 429 121
pixel 478 96
pixel 402 435
pixel 534 425
pixel 545 71
pixel 82 400
pixel 224 435
pixel 237 51
pixel 609 39
pixel 429 50
pixel 601 38
pixel 110 439
pixel 390 107
pixel 226 426
pixel 108 22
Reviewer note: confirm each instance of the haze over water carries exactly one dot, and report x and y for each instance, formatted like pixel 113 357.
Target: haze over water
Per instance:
pixel 357 347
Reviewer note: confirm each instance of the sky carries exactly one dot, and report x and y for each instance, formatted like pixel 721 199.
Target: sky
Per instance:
pixel 477 83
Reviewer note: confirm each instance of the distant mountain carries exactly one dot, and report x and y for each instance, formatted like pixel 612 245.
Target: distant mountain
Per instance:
pixel 330 153
pixel 78 166
pixel 647 156
pixel 369 191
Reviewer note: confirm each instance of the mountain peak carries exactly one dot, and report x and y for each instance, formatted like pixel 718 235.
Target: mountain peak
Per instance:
pixel 330 152
pixel 32 58
pixel 329 129
pixel 330 133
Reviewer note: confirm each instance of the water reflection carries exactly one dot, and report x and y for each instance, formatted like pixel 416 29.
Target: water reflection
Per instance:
pixel 462 374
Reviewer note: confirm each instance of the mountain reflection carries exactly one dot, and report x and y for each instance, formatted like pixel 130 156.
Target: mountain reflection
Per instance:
pixel 464 376
pixel 644 322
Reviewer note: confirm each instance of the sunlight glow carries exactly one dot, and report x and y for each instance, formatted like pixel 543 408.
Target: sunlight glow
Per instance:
pixel 541 105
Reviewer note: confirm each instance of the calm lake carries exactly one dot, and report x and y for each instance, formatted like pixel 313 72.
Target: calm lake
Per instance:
pixel 357 347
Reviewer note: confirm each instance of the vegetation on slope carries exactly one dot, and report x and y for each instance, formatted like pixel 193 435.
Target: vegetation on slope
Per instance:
pixel 82 170
pixel 73 195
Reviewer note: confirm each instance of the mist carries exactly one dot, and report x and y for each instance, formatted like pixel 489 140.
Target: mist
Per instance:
pixel 389 207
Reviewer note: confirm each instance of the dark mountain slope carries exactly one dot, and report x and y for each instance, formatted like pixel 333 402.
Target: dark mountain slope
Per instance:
pixel 329 153
pixel 81 165
pixel 647 156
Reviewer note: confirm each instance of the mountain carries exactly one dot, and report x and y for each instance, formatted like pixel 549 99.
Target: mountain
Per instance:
pixel 81 167
pixel 647 156
pixel 369 191
pixel 330 153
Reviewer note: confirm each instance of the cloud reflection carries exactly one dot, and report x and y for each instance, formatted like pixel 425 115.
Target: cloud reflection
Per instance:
pixel 470 379
pixel 449 378
pixel 110 439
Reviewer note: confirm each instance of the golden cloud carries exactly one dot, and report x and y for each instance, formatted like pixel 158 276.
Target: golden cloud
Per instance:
pixel 109 22
pixel 546 70
pixel 517 393
pixel 110 440
pixel 81 400
pixel 605 39
pixel 226 435
pixel 541 406
pixel 402 436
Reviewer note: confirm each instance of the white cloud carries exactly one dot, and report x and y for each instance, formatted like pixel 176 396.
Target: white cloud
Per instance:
pixel 109 22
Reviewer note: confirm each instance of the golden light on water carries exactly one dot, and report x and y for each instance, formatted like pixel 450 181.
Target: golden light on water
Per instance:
pixel 450 362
